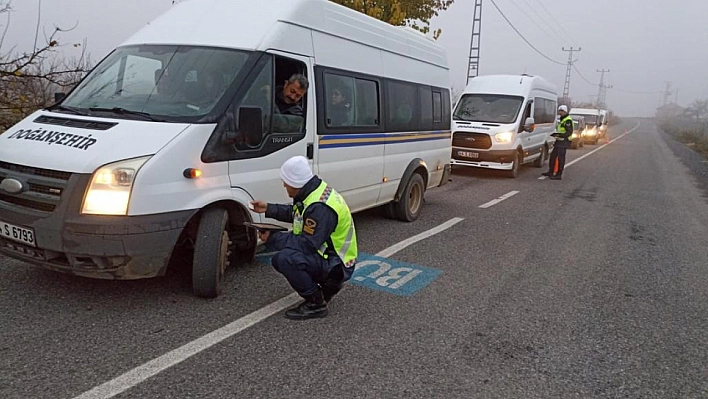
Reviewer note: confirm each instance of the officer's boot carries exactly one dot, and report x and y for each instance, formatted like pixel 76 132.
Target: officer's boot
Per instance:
pixel 329 290
pixel 313 307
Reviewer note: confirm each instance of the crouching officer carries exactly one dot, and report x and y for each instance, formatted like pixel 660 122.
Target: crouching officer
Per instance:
pixel 318 256
pixel 564 130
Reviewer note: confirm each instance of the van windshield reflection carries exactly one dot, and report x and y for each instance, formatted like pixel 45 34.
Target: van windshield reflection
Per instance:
pixel 491 108
pixel 170 83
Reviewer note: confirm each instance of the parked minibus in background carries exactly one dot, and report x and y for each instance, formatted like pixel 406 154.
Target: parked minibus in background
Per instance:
pixel 504 121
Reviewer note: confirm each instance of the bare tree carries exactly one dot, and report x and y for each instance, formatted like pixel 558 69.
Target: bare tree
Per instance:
pixel 28 80
pixel 698 109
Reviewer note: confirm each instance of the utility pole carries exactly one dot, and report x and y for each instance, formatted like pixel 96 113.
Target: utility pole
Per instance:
pixel 604 96
pixel 566 86
pixel 473 68
pixel 601 88
pixel 665 95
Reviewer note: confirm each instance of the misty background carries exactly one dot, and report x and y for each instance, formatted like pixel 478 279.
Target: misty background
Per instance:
pixel 644 43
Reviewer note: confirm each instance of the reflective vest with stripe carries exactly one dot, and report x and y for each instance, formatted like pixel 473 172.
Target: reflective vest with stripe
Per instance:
pixel 561 127
pixel 344 236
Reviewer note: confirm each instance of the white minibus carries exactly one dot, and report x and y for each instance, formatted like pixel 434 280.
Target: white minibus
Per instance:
pixel 170 136
pixel 503 121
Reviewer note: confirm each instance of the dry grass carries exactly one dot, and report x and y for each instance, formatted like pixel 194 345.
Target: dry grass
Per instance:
pixel 693 134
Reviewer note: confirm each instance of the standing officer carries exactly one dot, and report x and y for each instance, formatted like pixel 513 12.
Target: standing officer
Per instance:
pixel 318 256
pixel 564 130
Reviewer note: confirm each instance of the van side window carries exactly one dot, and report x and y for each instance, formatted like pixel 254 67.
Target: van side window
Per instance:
pixel 526 115
pixel 259 96
pixel 544 111
pixel 437 107
pixel 288 121
pixel 402 107
pixel 551 110
pixel 367 103
pixel 250 127
pixel 350 101
pixel 426 108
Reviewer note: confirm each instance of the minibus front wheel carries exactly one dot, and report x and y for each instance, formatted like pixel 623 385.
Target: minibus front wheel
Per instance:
pixel 515 164
pixel 211 253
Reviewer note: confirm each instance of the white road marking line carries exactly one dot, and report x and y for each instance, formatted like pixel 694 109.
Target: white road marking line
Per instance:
pixel 409 241
pixel 500 199
pixel 141 373
pixel 597 149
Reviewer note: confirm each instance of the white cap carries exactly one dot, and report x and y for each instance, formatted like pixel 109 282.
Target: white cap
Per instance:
pixel 563 108
pixel 296 171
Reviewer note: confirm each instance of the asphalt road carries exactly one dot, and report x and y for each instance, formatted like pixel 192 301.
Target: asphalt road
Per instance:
pixel 595 286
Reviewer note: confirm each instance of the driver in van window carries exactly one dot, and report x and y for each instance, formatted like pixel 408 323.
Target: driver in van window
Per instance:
pixel 289 116
pixel 288 96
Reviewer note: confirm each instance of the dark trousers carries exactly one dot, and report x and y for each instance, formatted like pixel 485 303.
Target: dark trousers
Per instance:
pixel 306 273
pixel 557 161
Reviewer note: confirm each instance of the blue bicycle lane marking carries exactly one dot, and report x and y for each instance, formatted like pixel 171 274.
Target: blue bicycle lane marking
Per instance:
pixel 384 274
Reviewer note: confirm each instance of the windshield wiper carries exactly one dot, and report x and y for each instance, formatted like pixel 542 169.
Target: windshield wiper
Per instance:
pixel 123 111
pixel 72 110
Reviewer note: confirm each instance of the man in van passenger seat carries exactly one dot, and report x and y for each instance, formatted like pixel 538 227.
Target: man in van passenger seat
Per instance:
pixel 319 255
pixel 288 96
pixel 564 130
pixel 339 109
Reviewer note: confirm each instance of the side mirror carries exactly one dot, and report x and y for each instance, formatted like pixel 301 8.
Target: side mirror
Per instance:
pixel 529 124
pixel 248 128
pixel 58 96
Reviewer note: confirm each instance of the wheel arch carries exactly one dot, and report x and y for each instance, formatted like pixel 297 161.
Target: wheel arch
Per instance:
pixel 417 165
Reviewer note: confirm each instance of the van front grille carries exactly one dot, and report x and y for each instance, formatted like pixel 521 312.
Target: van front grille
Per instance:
pixel 43 187
pixel 471 140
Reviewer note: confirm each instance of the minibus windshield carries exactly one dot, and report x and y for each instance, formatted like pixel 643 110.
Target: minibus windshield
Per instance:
pixel 157 83
pixel 491 108
pixel 590 119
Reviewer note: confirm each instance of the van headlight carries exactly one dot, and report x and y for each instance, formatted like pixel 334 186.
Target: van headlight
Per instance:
pixel 504 137
pixel 110 188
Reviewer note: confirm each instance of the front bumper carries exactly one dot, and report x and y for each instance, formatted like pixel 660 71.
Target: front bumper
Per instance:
pixel 490 159
pixel 107 247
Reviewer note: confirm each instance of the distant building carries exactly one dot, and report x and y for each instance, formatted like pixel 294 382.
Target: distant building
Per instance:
pixel 670 110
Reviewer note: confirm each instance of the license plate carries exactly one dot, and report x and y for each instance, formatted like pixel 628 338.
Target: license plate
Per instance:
pixel 16 233
pixel 468 154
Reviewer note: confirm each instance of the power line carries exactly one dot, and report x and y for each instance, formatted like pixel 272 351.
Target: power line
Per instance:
pixel 614 88
pixel 583 76
pixel 522 36
pixel 553 35
pixel 556 34
pixel 554 19
pixel 637 92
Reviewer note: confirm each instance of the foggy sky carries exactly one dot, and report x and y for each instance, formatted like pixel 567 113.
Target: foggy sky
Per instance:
pixel 644 43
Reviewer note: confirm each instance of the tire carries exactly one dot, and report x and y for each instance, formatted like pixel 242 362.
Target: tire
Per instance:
pixel 574 145
pixel 210 253
pixel 408 208
pixel 582 143
pixel 542 159
pixel 514 171
pixel 390 210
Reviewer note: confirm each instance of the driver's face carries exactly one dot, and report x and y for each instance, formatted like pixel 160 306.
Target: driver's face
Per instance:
pixel 292 92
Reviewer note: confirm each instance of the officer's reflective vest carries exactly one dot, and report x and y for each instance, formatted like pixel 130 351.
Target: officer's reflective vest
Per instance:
pixel 561 127
pixel 344 236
